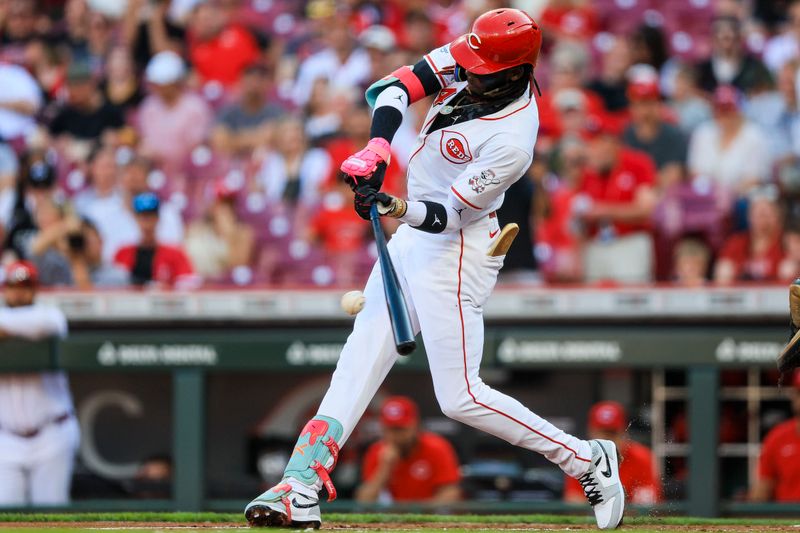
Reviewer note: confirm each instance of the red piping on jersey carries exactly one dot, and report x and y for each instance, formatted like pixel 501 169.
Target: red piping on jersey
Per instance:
pixel 425 127
pixel 407 77
pixel 473 206
pixel 435 69
pixel 466 377
pixel 508 115
pixel 421 146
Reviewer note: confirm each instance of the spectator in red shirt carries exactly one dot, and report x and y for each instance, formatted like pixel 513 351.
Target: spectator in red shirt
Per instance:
pixel 150 262
pixel 616 201
pixel 755 254
pixel 340 231
pixel 608 420
pixel 219 50
pixel 779 465
pixel 408 464
pixel 557 240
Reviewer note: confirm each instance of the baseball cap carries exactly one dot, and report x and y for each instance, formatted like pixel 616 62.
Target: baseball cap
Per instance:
pixel 41 175
pixel 727 98
pixel 609 416
pixel 79 71
pixel 643 90
pixel 378 37
pixel 598 125
pixel 566 99
pixel 165 68
pixel 21 274
pixel 145 202
pixel 399 412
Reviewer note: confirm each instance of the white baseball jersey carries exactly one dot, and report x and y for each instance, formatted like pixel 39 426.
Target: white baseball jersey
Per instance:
pixel 27 401
pixel 447 277
pixel 476 160
pixel 35 470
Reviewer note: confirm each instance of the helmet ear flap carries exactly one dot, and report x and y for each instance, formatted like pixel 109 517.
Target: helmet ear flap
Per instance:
pixel 460 73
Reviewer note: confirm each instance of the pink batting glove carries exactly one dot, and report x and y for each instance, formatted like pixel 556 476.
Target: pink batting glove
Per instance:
pixel 361 165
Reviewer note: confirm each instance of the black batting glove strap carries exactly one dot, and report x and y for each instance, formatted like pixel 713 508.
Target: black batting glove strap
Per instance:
pixel 363 199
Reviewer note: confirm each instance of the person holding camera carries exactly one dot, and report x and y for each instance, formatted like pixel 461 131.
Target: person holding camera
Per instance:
pixel 35 181
pixel 33 215
pixel 150 262
pixel 85 256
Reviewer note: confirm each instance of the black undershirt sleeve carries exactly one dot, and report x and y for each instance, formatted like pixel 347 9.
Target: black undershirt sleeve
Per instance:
pixel 385 122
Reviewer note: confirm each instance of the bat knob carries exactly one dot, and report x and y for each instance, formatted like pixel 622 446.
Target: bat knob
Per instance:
pixel 405 348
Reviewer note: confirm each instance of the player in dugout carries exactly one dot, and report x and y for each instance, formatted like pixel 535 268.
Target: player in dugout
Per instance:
pixel 476 141
pixel 407 463
pixel 608 420
pixel 778 475
pixel 38 431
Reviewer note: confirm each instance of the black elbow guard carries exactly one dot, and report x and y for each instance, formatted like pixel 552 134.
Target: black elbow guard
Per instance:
pixel 435 219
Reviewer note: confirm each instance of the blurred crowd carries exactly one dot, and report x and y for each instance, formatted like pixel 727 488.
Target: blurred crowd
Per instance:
pixel 176 143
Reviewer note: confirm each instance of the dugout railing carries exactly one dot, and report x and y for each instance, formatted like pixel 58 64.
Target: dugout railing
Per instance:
pixel 191 337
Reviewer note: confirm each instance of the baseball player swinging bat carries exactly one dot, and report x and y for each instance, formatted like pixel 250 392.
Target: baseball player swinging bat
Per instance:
pixel 477 139
pixel 395 301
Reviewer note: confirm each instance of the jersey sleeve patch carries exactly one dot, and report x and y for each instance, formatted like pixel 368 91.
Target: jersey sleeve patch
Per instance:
pixel 487 178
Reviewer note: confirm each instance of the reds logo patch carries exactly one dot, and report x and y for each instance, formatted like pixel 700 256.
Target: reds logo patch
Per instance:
pixel 481 181
pixel 454 147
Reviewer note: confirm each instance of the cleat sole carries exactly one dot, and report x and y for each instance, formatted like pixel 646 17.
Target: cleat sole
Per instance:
pixel 259 516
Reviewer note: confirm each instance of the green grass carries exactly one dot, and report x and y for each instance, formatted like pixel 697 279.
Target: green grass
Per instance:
pixel 332 519
pixel 364 529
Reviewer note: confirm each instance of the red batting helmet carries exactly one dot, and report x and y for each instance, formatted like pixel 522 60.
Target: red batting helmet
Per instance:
pixel 500 39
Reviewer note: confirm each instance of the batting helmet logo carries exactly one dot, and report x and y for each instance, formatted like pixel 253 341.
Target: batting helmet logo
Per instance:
pixel 473 41
pixel 455 148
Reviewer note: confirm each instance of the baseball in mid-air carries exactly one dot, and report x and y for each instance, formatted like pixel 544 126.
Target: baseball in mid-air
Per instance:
pixel 353 302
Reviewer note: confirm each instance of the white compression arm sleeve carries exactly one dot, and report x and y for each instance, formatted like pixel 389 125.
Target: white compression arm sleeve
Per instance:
pixel 392 96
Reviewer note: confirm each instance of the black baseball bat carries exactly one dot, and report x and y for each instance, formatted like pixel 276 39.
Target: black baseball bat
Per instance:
pixel 395 301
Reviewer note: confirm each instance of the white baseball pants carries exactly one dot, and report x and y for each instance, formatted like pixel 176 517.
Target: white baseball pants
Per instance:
pixel 446 279
pixel 38 471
